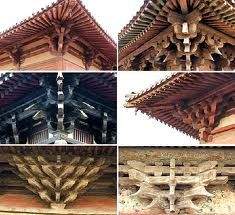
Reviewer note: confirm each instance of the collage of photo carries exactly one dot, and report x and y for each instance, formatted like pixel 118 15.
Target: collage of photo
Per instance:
pixel 113 107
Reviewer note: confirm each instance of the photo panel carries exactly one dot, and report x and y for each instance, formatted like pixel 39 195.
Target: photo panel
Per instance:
pixel 58 108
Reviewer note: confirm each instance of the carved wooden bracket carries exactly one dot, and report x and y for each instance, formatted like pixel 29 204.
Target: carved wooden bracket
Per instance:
pixel 185 28
pixel 60 39
pixel 89 57
pixel 127 65
pixel 15 55
pixel 152 183
pixel 188 45
pixel 106 65
pixel 59 182
pixel 204 116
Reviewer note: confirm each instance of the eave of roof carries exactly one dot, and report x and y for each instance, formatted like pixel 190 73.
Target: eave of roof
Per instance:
pixel 62 10
pixel 165 95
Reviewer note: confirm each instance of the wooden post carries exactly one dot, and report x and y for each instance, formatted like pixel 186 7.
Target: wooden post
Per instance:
pixel 104 129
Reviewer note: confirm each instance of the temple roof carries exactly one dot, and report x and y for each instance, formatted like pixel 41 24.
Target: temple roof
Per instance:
pixel 15 87
pixel 161 100
pixel 72 12
pixel 151 20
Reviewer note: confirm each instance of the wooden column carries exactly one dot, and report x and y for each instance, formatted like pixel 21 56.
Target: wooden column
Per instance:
pixel 15 130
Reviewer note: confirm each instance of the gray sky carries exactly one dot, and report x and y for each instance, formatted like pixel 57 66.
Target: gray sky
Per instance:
pixel 112 15
pixel 140 129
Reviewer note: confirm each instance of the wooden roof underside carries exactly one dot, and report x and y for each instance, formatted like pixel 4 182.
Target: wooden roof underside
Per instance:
pixel 160 100
pixel 66 11
pixel 151 20
pixel 16 86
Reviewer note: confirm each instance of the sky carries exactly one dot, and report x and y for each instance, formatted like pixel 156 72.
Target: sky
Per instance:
pixel 112 15
pixel 140 129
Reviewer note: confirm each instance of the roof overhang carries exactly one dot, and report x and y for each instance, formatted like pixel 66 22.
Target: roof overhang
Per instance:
pixel 72 17
pixel 188 101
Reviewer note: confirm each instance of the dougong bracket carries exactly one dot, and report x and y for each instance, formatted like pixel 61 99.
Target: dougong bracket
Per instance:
pixel 89 57
pixel 204 116
pixel 15 55
pixel 58 182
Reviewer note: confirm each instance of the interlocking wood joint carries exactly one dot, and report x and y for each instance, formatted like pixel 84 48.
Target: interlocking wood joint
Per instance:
pixel 204 116
pixel 89 57
pixel 61 181
pixel 161 190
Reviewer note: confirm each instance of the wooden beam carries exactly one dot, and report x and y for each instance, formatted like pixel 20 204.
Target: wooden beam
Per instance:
pixel 15 130
pixel 183 6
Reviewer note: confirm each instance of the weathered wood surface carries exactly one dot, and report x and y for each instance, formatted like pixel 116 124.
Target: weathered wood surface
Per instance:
pixel 150 187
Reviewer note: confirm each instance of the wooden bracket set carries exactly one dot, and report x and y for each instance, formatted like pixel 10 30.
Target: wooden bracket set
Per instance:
pixel 59 182
pixel 204 116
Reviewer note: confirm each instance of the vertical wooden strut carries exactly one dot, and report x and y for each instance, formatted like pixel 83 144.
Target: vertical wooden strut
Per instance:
pixel 15 130
pixel 60 115
pixel 104 129
pixel 172 184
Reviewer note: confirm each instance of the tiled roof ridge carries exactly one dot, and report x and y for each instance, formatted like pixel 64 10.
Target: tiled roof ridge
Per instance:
pixel 48 7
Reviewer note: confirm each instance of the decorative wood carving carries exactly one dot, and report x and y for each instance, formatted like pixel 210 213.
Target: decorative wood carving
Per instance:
pixel 59 182
pixel 162 190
